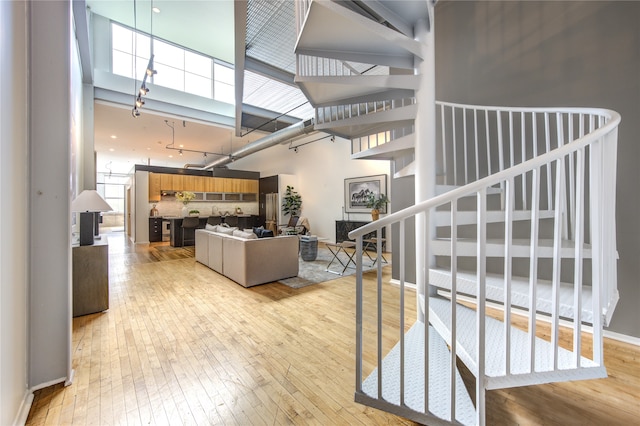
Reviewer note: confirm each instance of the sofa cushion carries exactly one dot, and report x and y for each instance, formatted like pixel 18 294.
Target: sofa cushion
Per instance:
pixel 245 235
pixel 225 230
pixel 210 227
pixel 261 232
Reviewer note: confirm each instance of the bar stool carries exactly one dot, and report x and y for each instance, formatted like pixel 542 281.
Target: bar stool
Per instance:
pixel 189 223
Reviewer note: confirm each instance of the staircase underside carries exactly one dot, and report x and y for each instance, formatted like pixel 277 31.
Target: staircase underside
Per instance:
pixel 343 90
pixel 521 373
pixel 388 151
pixel 368 124
pixel 353 37
pixel 467 285
pixel 439 381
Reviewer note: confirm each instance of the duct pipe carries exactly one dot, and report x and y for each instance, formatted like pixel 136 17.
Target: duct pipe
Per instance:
pixel 281 136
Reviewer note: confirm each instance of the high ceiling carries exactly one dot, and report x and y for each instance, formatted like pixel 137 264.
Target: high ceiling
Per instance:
pixel 206 27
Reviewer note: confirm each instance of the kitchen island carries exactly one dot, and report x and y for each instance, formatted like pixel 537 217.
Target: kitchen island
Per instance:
pixel 243 221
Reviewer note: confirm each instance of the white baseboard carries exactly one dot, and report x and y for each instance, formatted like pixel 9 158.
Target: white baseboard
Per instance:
pixel 622 337
pixel 395 282
pixel 49 383
pixel 606 333
pixel 25 407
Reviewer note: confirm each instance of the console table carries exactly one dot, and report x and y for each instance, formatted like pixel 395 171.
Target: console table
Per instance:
pixel 343 227
pixel 91 278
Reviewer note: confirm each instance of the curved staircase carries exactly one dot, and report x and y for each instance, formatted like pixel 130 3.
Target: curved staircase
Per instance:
pixel 521 217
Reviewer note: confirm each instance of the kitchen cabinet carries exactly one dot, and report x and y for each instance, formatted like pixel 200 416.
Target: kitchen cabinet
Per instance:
pixel 177 183
pixel 155 229
pixel 194 183
pixel 241 186
pixel 215 184
pixel 206 188
pixel 166 182
pixel 154 187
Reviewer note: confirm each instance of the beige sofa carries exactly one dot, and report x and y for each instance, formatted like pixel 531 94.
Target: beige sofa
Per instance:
pixel 247 261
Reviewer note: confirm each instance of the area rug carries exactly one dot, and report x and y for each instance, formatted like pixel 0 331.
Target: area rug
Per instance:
pixel 314 272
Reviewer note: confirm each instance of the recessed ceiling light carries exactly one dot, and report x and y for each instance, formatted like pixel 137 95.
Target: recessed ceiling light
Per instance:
pixel 155 10
pixel 114 137
pixel 170 156
pixel 181 146
pixel 111 149
pixel 148 149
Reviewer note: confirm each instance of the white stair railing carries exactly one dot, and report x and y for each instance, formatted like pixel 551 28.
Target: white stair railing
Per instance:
pixel 568 166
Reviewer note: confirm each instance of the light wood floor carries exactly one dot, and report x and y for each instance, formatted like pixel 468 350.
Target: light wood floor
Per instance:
pixel 182 345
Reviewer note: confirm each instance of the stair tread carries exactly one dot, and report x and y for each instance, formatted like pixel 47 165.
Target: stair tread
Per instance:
pixel 440 317
pixel 443 218
pixel 341 90
pixel 520 247
pixel 387 151
pixel 439 381
pixel 366 124
pixel 466 283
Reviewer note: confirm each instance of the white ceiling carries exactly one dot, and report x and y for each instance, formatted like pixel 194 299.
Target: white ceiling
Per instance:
pixel 122 141
pixel 204 26
pixel 207 27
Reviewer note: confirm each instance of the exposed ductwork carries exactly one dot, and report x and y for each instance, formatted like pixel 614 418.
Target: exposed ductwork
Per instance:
pixel 281 136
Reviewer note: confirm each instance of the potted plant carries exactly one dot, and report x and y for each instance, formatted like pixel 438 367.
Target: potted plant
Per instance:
pixel 185 197
pixel 291 202
pixel 376 204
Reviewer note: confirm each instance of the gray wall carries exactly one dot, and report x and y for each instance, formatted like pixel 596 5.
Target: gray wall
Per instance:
pixel 14 269
pixel 50 192
pixel 555 54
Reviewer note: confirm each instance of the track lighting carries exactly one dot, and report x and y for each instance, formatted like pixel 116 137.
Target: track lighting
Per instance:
pixel 143 87
pixel 181 150
pixel 135 113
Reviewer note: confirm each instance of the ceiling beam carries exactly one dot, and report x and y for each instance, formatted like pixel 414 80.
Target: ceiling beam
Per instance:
pixel 269 71
pixel 240 18
pixel 82 34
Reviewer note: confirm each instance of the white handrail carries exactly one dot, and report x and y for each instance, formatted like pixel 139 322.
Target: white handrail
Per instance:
pixel 613 118
pixel 581 164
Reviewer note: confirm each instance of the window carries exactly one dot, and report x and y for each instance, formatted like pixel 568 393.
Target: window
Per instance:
pixel 178 68
pixel 111 188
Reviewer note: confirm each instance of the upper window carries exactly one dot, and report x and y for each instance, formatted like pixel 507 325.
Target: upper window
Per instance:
pixel 177 68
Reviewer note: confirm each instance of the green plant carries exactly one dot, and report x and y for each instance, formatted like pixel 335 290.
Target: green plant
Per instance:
pixel 185 197
pixel 194 211
pixel 377 203
pixel 291 202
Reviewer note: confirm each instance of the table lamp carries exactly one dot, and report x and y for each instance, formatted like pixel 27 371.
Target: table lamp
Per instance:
pixel 87 203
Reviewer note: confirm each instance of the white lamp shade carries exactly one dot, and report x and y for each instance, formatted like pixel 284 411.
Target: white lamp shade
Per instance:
pixel 90 201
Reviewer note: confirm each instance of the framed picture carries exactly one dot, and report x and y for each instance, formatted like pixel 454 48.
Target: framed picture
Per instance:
pixel 357 191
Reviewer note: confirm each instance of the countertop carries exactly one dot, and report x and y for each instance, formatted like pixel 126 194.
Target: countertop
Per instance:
pixel 201 216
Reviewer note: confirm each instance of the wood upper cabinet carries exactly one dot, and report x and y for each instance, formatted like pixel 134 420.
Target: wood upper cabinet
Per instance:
pixel 252 186
pixel 214 184
pixel 177 183
pixel 231 185
pixel 154 187
pixel 200 183
pixel 244 186
pixel 166 182
pixel 159 182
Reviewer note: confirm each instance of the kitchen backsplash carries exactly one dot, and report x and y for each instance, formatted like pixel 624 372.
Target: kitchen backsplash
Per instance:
pixel 174 208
